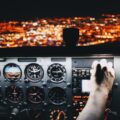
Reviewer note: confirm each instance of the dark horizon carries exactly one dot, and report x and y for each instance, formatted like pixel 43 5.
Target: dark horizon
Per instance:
pixel 30 9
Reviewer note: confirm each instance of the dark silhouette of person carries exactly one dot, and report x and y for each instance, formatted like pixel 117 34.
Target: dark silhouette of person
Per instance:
pixel 70 36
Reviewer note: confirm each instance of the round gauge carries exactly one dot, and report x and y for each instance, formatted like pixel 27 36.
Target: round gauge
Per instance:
pixel 35 94
pixel 56 72
pixel 14 94
pixel 57 96
pixel 12 72
pixel 34 72
pixel 57 115
pixel 37 115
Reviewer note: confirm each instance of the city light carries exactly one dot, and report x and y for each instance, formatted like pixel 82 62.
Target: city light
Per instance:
pixel 48 31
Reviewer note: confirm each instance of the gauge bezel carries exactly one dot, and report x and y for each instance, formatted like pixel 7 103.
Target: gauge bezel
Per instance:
pixel 9 78
pixel 40 89
pixel 31 79
pixel 53 79
pixel 60 103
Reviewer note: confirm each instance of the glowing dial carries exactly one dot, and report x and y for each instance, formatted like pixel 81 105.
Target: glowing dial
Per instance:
pixel 58 115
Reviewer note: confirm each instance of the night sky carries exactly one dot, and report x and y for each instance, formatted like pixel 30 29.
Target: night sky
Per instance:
pixel 29 9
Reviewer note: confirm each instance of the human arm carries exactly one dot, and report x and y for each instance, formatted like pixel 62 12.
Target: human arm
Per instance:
pixel 102 78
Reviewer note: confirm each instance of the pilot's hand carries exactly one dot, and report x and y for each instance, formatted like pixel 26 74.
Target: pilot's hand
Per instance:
pixel 102 76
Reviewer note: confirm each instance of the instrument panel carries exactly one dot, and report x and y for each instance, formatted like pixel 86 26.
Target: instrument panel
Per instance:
pixel 49 88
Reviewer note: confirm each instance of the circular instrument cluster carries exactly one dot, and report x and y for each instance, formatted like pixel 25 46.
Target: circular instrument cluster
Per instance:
pixel 32 94
pixel 34 72
pixel 12 72
pixel 56 72
pixel 35 94
pixel 57 96
pixel 14 94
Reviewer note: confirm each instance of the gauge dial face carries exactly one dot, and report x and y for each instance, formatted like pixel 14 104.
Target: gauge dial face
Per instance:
pixel 14 94
pixel 57 96
pixel 35 94
pixel 34 72
pixel 57 115
pixel 12 72
pixel 56 72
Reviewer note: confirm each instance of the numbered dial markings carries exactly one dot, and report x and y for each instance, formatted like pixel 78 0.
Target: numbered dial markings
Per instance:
pixel 34 72
pixel 56 72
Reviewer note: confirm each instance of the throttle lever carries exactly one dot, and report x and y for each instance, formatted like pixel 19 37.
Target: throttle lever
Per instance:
pixel 99 74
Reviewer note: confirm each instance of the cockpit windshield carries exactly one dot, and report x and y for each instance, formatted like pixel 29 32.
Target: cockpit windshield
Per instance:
pixel 49 31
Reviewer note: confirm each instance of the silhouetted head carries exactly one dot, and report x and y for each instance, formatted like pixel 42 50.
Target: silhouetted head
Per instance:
pixel 71 36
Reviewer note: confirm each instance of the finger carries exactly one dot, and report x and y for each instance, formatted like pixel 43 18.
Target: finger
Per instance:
pixel 110 69
pixel 104 72
pixel 106 75
pixel 104 68
pixel 112 72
